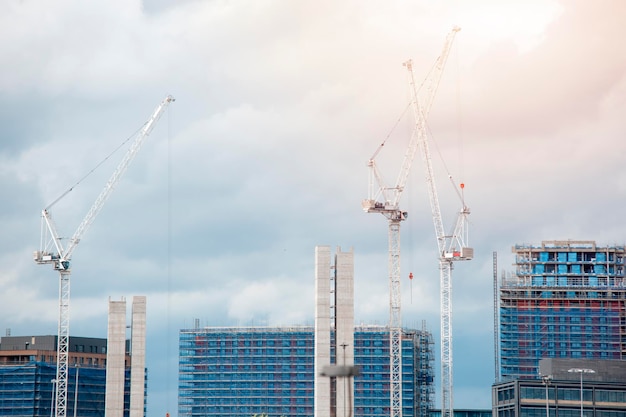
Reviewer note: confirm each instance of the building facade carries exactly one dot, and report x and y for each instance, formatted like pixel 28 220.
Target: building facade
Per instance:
pixel 566 299
pixel 464 413
pixel 566 388
pixel 28 371
pixel 242 371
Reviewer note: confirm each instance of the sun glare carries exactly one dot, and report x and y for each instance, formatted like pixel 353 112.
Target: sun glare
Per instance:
pixel 522 22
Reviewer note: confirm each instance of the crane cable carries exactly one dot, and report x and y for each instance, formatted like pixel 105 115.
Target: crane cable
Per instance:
pixel 402 114
pixel 168 371
pixel 459 122
pixel 410 133
pixel 460 187
pixel 457 187
pixel 380 147
pixel 66 192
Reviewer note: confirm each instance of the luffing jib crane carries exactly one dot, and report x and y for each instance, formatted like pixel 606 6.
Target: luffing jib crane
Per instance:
pixel 386 201
pixel 451 247
pixel 52 251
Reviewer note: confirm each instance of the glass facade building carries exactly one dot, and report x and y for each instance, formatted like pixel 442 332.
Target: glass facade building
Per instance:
pixel 245 371
pixel 568 388
pixel 464 413
pixel 566 299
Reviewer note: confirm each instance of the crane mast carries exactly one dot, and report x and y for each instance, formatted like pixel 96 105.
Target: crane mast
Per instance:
pixel 51 251
pixel 386 200
pixel 451 247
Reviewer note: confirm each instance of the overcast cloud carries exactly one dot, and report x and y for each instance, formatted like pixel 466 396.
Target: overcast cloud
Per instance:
pixel 279 105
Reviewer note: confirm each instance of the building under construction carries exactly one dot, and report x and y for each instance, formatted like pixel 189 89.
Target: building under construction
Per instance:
pixel 285 370
pixel 105 376
pixel 28 371
pixel 242 371
pixel 567 299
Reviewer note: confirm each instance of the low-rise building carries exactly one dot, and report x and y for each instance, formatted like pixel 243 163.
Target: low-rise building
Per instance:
pixel 28 372
pixel 565 388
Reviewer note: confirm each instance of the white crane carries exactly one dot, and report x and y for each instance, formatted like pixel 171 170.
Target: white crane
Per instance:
pixel 52 252
pixel 385 200
pixel 451 247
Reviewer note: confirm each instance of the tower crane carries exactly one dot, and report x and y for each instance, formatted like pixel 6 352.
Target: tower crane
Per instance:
pixel 53 252
pixel 385 200
pixel 451 247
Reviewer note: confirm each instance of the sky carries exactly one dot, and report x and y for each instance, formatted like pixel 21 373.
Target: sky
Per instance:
pixel 263 155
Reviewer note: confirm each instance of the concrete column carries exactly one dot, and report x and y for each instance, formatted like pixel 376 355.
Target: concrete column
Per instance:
pixel 138 356
pixel 344 328
pixel 321 402
pixel 116 352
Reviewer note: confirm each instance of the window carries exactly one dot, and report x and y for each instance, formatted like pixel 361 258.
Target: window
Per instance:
pixel 535 412
pixel 505 395
pixel 607 396
pixel 532 393
pixel 573 394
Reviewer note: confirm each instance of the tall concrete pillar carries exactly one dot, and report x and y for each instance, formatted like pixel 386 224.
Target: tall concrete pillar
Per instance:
pixel 321 401
pixel 116 353
pixel 341 298
pixel 138 356
pixel 344 328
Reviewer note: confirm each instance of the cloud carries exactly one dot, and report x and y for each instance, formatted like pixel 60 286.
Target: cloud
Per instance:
pixel 563 79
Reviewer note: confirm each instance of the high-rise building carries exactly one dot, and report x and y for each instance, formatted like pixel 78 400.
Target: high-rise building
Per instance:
pixel 566 299
pixel 242 371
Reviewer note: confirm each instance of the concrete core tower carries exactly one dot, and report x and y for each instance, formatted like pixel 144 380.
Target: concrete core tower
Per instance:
pixel 116 355
pixel 334 310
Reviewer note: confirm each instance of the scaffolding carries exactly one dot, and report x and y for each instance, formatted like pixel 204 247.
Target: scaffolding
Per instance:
pixel 425 395
pixel 27 389
pixel 566 299
pixel 241 371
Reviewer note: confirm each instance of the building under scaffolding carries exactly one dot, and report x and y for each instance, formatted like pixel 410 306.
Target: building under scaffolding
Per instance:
pixel 567 299
pixel 243 371
pixel 28 371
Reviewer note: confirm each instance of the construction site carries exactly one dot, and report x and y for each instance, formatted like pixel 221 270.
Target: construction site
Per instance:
pixel 284 371
pixel 565 300
pixel 24 390
pixel 257 370
pixel 394 365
